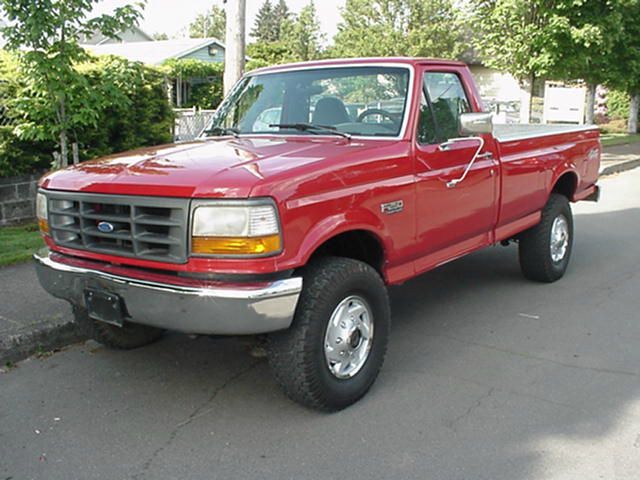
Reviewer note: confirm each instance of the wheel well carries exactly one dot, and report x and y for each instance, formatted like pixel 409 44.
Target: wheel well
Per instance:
pixel 566 185
pixel 357 244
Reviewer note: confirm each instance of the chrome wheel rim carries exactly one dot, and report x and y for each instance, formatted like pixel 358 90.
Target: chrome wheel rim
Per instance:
pixel 559 238
pixel 349 336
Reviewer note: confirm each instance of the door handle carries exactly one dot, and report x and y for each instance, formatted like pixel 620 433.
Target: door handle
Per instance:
pixel 484 155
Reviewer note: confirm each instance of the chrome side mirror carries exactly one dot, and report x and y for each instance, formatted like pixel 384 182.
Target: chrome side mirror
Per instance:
pixel 475 123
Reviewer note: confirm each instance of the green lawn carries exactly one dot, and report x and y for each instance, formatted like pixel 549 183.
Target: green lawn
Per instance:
pixel 611 139
pixel 18 243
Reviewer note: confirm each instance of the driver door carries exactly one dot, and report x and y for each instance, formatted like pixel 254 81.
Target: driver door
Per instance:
pixel 451 220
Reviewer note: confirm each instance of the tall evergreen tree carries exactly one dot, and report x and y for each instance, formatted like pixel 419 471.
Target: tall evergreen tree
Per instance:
pixel 282 17
pixel 265 27
pixel 306 34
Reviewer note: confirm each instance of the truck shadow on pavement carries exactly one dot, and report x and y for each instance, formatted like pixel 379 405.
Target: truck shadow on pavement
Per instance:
pixel 488 376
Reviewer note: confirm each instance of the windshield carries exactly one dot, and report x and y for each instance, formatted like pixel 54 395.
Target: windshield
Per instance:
pixel 366 101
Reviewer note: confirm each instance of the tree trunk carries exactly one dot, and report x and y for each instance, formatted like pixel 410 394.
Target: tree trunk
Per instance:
pixel 234 39
pixel 75 155
pixel 64 151
pixel 633 112
pixel 590 107
pixel 526 99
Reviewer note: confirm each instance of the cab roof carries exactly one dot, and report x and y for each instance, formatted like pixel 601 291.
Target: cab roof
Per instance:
pixel 359 61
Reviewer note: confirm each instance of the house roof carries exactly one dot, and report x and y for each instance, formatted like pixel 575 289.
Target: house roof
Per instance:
pixel 154 53
pixel 99 39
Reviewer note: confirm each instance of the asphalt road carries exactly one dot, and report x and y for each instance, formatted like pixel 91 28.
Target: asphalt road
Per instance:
pixel 488 376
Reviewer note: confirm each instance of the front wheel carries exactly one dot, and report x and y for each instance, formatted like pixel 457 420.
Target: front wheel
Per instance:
pixel 545 249
pixel 335 347
pixel 127 337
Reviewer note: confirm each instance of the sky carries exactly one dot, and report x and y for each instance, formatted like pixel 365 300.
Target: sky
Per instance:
pixel 172 16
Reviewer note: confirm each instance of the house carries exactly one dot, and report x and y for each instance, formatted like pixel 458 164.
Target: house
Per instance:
pixel 502 93
pixel 157 52
pixel 209 50
pixel 134 34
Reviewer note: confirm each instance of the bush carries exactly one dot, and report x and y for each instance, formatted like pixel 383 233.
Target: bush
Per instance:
pixel 618 104
pixel 140 114
pixel 135 112
pixel 205 95
pixel 205 77
pixel 19 157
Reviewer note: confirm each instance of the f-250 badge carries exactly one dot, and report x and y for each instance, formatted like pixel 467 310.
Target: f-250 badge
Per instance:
pixel 392 207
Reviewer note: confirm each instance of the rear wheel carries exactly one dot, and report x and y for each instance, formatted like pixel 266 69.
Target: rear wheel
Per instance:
pixel 335 347
pixel 129 336
pixel 545 249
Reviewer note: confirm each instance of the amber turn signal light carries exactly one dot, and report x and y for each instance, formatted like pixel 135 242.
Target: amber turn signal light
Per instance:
pixel 235 245
pixel 44 226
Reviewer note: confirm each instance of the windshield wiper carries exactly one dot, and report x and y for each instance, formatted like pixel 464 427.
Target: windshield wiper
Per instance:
pixel 311 128
pixel 218 131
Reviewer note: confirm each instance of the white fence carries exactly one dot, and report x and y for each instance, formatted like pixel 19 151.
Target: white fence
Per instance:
pixel 190 122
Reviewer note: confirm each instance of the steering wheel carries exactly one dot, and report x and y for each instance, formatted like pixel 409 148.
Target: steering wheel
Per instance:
pixel 378 111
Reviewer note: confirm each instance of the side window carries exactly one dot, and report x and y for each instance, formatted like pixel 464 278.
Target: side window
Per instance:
pixel 448 101
pixel 426 126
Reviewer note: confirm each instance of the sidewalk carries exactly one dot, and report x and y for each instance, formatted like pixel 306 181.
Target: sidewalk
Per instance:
pixel 31 320
pixel 619 158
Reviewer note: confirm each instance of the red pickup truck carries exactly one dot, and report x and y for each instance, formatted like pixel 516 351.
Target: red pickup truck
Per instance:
pixel 315 186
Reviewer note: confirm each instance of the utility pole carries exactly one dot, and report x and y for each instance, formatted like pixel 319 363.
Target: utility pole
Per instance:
pixel 234 39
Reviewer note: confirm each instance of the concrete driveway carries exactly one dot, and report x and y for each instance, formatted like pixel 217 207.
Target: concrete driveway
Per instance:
pixel 488 376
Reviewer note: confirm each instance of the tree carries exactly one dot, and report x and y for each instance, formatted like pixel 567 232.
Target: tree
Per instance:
pixel 300 38
pixel 515 36
pixel 624 71
pixel 399 27
pixel 45 36
pixel 306 35
pixel 264 27
pixel 209 24
pixel 160 36
pixel 270 21
pixel 282 16
pixel 583 41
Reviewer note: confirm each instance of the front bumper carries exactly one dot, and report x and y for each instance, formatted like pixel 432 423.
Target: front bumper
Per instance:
pixel 166 301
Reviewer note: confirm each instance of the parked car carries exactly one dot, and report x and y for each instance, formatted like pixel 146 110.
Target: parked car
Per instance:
pixel 294 226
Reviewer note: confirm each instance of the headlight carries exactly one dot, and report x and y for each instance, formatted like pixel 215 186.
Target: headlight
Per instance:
pixel 235 229
pixel 42 213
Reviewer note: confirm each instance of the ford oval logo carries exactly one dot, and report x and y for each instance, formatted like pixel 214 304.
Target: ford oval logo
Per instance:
pixel 106 227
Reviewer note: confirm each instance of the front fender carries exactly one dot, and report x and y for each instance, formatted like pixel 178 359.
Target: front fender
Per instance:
pixel 331 226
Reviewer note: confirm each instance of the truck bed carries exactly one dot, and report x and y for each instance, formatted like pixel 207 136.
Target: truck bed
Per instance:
pixel 514 132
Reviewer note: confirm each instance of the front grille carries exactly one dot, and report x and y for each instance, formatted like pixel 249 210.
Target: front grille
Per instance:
pixel 149 228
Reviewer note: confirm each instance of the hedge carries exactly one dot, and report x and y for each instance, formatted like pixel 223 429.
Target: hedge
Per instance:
pixel 143 116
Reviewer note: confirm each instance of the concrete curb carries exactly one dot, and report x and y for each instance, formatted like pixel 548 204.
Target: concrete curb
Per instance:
pixel 620 167
pixel 20 345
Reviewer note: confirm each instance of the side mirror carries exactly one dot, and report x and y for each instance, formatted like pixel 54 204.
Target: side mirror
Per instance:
pixel 475 123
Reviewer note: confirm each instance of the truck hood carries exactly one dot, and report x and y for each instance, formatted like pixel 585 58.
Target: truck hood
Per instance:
pixel 204 168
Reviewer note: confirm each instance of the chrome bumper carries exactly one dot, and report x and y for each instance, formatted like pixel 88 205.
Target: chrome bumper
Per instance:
pixel 225 309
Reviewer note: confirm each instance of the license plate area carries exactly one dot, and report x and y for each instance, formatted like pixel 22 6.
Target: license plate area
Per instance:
pixel 104 306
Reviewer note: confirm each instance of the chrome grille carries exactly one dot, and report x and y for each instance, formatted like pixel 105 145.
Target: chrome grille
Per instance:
pixel 149 228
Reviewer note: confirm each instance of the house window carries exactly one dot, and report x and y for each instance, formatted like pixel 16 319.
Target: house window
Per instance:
pixel 213 50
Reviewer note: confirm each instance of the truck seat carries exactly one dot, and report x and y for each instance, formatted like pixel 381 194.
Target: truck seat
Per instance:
pixel 330 111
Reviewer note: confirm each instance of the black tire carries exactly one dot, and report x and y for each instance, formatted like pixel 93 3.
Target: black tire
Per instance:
pixel 127 337
pixel 296 355
pixel 535 251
